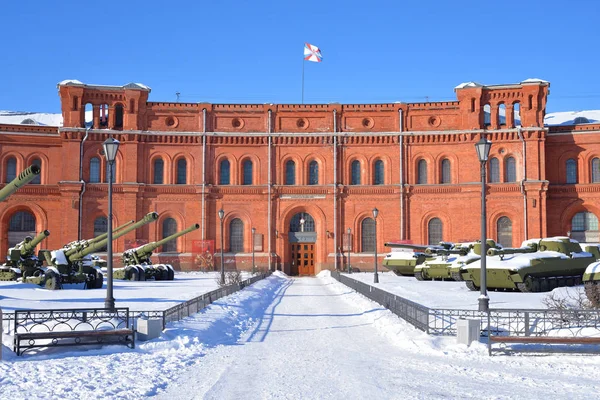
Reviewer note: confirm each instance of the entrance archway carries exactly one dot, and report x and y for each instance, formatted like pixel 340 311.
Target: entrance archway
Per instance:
pixel 302 237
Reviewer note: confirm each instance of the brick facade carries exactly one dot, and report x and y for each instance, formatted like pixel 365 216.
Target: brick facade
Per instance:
pixel 401 135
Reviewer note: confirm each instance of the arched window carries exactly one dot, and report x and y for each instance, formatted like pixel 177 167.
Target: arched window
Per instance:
pixel 224 175
pixel 296 225
pixel 494 170
pixel 435 231
pixel 169 227
pixel 290 173
pixel 367 235
pixel 21 224
pixel 313 173
pixel 511 170
pixel 247 178
pixel 378 173
pixel 487 115
pixel 236 236
pixel 100 227
pixel 446 171
pixel 422 172
pixel 504 228
pixel 103 116
pixel 502 114
pixel 517 113
pixel 94 170
pixel 11 169
pixel 38 178
pixel 571 171
pixel 159 171
pixel 119 116
pixel 181 171
pixel 584 227
pixel 89 115
pixel 596 170
pixel 355 173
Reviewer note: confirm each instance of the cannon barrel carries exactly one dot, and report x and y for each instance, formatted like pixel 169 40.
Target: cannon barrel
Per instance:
pixel 30 246
pixel 460 251
pixel 105 235
pixel 511 250
pixel 406 246
pixel 150 247
pixel 73 254
pixel 22 179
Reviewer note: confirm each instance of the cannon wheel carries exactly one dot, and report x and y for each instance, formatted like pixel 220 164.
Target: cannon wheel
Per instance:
pixel 52 282
pixel 132 274
pixel 171 273
pixel 99 281
pixel 141 273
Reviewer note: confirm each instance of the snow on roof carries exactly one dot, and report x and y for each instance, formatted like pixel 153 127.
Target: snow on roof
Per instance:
pixel 572 117
pixel 136 86
pixel 68 82
pixel 30 118
pixel 468 84
pixel 534 80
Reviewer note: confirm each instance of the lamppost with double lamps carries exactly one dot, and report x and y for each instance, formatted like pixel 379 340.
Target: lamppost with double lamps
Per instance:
pixel 221 216
pixel 253 264
pixel 349 248
pixel 483 152
pixel 111 146
pixel 375 213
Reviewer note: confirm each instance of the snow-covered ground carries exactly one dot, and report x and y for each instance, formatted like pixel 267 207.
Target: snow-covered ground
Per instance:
pixel 451 294
pixel 138 296
pixel 303 338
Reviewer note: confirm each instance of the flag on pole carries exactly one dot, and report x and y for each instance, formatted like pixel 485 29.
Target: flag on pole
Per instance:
pixel 312 53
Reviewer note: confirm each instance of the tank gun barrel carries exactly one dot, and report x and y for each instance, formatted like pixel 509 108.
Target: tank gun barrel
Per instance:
pixel 22 179
pixel 406 246
pixel 105 235
pixel 512 250
pixel 444 252
pixel 73 254
pixel 150 247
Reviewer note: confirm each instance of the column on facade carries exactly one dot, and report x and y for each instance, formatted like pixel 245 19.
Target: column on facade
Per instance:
pixel 96 115
pixel 111 117
pixel 510 116
pixel 494 116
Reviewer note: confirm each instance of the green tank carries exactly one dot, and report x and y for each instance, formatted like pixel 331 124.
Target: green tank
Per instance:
pixel 438 267
pixel 591 278
pixel 539 265
pixel 137 264
pixel 458 267
pixel 73 263
pixel 403 262
pixel 22 256
pixel 24 178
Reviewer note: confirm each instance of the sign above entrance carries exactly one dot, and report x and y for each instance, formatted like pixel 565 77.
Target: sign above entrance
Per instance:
pixel 302 196
pixel 302 237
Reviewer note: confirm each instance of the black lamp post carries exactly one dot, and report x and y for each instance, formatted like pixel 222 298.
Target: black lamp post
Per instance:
pixel 253 264
pixel 375 213
pixel 483 152
pixel 349 248
pixel 111 146
pixel 221 216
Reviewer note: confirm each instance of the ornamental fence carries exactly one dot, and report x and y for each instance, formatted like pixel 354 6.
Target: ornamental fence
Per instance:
pixel 504 322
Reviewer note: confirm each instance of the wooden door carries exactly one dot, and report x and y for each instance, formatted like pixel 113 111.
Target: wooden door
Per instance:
pixel 303 259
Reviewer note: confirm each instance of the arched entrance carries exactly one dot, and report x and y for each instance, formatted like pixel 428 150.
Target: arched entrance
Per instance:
pixel 302 237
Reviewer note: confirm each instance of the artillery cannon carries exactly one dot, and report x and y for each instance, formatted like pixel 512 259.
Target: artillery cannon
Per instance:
pixel 22 179
pixel 74 264
pixel 137 264
pixel 22 257
pixel 555 262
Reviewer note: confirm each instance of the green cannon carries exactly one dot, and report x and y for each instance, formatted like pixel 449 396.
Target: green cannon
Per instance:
pixel 74 264
pixel 79 245
pixel 24 178
pixel 22 257
pixel 539 265
pixel 137 264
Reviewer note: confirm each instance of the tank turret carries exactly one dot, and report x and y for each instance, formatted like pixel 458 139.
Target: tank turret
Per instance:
pixel 138 265
pixel 530 248
pixel 24 178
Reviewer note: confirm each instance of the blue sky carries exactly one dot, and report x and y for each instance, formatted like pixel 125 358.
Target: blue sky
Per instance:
pixel 251 51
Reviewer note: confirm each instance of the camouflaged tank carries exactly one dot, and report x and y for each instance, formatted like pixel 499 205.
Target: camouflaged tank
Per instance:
pixel 403 258
pixel 539 265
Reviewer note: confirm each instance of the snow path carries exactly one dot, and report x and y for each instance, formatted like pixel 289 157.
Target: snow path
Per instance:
pixel 304 338
pixel 318 339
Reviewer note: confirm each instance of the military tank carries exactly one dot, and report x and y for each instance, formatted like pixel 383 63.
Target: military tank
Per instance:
pixel 591 278
pixel 403 258
pixel 23 178
pixel 442 257
pixel 459 265
pixel 73 263
pixel 539 265
pixel 138 264
pixel 22 257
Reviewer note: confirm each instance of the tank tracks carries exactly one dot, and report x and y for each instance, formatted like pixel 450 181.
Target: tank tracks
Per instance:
pixel 592 291
pixel 457 276
pixel 542 284
pixel 471 285
pixel 419 276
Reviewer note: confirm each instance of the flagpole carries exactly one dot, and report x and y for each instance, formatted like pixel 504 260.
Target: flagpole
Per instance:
pixel 303 80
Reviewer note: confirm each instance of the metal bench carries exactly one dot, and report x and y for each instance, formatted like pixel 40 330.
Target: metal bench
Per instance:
pixel 71 327
pixel 568 340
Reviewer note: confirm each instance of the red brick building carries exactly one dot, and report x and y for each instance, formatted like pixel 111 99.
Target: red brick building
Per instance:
pixel 272 166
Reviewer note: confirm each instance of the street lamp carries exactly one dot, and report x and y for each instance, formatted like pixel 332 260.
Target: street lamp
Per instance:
pixel 483 151
pixel 349 248
pixel 221 216
pixel 375 213
pixel 111 146
pixel 253 264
